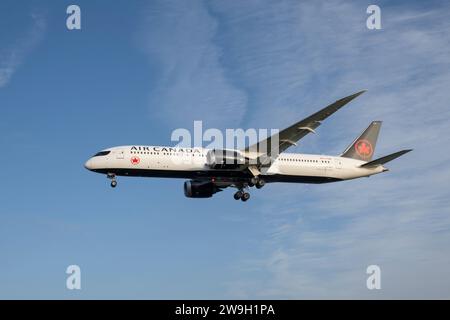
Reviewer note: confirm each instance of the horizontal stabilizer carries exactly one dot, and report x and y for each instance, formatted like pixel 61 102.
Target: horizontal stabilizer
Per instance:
pixel 385 159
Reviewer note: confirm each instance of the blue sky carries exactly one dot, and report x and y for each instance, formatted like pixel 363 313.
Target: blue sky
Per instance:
pixel 138 70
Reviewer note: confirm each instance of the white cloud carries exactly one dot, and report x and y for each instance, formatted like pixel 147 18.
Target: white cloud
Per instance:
pixel 293 58
pixel 12 57
pixel 265 64
pixel 191 84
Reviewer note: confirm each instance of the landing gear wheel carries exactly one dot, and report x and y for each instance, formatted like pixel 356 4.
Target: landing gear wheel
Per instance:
pixel 260 184
pixel 112 176
pixel 245 196
pixel 238 195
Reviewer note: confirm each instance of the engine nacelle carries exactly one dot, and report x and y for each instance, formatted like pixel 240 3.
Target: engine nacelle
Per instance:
pixel 224 159
pixel 199 189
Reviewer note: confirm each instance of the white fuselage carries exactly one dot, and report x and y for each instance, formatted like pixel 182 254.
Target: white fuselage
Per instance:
pixel 157 161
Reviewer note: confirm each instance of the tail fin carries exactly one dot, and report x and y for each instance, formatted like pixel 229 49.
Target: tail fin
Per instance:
pixel 363 147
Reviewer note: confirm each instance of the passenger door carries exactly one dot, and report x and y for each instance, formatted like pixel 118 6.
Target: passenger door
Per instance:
pixel 338 163
pixel 120 154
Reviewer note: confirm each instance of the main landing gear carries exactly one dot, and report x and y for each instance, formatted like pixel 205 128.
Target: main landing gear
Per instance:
pixel 241 194
pixel 256 182
pixel 112 176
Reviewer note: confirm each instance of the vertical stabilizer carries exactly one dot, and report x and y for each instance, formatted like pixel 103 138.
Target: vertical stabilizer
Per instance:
pixel 363 147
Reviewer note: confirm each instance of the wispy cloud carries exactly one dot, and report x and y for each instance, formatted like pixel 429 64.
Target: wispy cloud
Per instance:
pixel 264 64
pixel 12 56
pixel 191 84
pixel 294 57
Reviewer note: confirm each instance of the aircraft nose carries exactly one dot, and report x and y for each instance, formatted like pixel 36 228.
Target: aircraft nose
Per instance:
pixel 89 164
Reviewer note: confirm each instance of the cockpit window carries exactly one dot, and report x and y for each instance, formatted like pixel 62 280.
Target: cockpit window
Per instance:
pixel 102 153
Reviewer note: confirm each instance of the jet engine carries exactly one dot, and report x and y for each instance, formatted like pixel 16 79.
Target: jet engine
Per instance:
pixel 224 159
pixel 199 189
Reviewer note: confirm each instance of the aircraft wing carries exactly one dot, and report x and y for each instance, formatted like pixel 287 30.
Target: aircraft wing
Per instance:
pixel 291 135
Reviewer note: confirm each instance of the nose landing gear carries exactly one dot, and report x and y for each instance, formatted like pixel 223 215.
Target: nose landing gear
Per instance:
pixel 112 176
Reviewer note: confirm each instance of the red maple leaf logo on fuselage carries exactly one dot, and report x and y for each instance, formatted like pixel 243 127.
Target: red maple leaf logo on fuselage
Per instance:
pixel 135 160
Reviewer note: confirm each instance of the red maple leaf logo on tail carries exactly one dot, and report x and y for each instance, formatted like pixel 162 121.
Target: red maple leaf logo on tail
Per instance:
pixel 364 148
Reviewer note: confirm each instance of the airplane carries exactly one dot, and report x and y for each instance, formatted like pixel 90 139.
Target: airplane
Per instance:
pixel 212 170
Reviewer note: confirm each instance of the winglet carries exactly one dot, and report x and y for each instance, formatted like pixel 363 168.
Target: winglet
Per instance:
pixel 355 95
pixel 349 98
